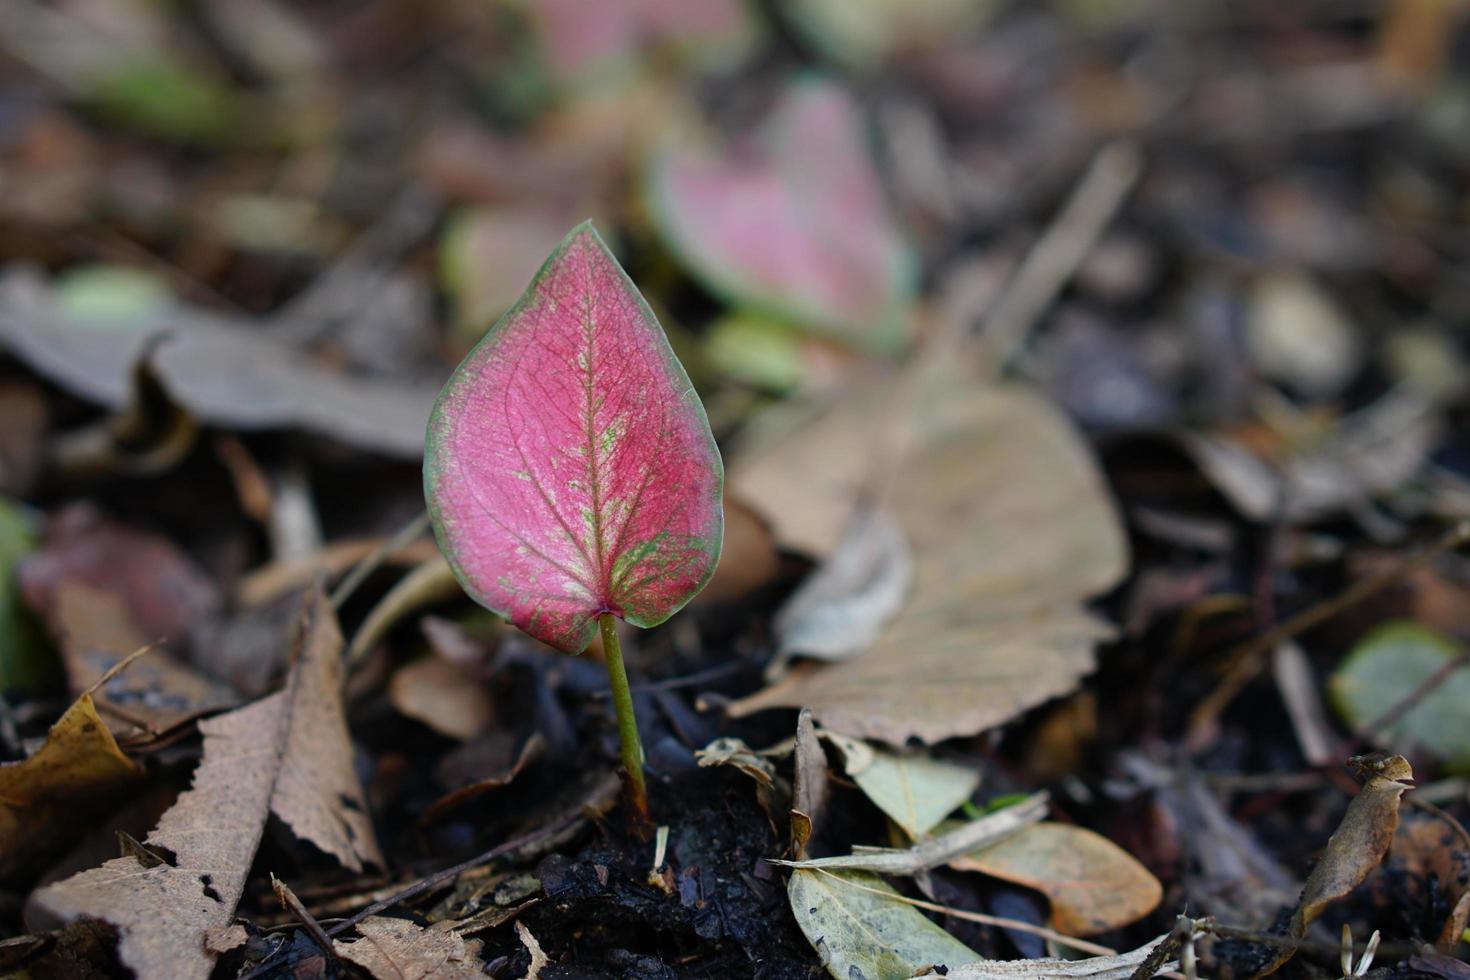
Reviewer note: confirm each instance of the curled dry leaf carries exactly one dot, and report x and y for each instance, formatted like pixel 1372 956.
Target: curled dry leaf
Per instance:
pixel 840 609
pixel 1093 884
pixel 287 753
pixel 223 370
pixel 1011 529
pixel 810 786
pixel 47 798
pixel 570 469
pixel 1120 966
pixel 397 949
pixel 793 221
pixel 858 931
pixel 1360 841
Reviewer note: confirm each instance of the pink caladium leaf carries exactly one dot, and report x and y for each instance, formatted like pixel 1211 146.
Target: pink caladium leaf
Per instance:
pixel 792 220
pixel 569 466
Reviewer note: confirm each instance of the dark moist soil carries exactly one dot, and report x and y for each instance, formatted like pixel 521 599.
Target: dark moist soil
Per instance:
pixel 725 913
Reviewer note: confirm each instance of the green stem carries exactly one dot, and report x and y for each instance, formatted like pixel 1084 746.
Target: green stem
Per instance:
pixel 632 748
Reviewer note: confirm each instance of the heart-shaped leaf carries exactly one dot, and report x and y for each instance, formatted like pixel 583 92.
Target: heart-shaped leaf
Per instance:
pixel 569 468
pixel 793 221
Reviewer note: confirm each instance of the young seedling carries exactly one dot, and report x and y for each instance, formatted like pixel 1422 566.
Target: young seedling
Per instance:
pixel 570 472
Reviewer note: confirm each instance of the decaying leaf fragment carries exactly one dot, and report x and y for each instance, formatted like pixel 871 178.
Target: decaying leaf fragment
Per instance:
pixel 1011 529
pixel 858 931
pixel 397 949
pixel 1360 841
pixel 44 797
pixel 280 753
pixel 1120 966
pixel 1093 884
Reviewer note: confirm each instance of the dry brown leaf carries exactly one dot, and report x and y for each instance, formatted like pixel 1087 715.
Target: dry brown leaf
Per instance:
pixel 1093 884
pixel 46 798
pixel 443 696
pixel 396 949
pixel 1360 841
pixel 156 693
pixel 1011 528
pixel 163 914
pixel 318 794
pixel 277 753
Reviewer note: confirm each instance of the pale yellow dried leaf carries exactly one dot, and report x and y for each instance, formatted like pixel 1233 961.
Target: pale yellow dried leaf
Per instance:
pixel 397 949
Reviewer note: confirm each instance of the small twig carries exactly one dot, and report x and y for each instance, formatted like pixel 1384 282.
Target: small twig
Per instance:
pixel 1096 949
pixel 1060 250
pixel 1184 928
pixel 292 904
pixel 406 534
pixel 1249 659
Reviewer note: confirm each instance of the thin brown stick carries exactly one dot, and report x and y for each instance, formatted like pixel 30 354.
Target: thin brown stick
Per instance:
pixel 406 534
pixel 1249 659
pixel 292 904
pixel 1060 250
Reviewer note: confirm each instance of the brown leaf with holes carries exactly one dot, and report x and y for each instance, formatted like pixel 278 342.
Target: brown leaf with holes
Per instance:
pixel 318 794
pixel 397 949
pixel 46 799
pixel 1093 884
pixel 285 752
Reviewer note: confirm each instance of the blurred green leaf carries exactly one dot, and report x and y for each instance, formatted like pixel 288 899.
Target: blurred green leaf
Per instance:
pixel 1388 665
pixel 161 96
pixel 26 662
pixel 757 351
